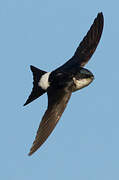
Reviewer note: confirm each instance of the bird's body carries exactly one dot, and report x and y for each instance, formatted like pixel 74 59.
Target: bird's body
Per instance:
pixel 60 83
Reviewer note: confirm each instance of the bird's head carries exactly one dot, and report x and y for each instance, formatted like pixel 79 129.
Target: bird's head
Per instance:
pixel 82 78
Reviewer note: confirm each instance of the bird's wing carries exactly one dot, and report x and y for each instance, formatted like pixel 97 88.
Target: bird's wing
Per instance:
pixel 57 101
pixel 88 45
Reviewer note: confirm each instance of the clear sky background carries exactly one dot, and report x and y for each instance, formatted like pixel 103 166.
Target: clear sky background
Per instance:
pixel 85 143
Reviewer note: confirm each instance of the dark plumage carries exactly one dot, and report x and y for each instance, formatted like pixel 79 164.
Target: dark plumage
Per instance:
pixel 60 83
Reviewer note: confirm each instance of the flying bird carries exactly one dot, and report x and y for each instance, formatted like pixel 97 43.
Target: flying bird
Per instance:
pixel 62 82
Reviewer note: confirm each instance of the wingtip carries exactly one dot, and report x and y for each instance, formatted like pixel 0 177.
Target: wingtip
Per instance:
pixel 100 14
pixel 27 102
pixel 24 104
pixel 101 18
pixel 29 154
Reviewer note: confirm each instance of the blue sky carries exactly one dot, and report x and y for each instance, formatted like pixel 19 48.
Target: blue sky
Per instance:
pixel 84 145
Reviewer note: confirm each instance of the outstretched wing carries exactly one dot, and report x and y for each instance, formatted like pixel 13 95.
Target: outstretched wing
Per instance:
pixel 57 101
pixel 87 46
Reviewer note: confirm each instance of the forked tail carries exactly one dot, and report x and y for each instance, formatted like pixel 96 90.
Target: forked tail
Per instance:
pixel 36 91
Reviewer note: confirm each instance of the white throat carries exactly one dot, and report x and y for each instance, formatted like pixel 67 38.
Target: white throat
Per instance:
pixel 82 82
pixel 44 83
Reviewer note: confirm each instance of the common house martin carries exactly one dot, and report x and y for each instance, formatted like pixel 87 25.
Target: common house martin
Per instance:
pixel 60 83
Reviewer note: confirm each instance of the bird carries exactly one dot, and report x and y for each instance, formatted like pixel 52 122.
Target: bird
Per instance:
pixel 63 81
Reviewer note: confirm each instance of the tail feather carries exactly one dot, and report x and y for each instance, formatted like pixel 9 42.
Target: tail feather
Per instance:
pixel 36 91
